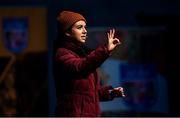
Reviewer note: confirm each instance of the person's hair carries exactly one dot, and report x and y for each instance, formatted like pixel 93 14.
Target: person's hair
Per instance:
pixel 61 36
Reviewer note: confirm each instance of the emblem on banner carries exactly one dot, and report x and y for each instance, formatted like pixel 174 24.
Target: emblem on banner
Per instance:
pixel 15 34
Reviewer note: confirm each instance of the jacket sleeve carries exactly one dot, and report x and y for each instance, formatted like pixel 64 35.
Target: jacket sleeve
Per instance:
pixel 104 94
pixel 86 65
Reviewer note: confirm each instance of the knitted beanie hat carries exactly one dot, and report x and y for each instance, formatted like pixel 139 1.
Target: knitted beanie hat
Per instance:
pixel 67 18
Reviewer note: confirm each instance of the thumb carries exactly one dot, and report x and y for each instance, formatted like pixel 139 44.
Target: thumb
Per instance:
pixel 116 41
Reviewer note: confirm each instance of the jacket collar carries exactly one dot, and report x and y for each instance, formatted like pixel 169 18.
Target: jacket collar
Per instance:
pixel 76 47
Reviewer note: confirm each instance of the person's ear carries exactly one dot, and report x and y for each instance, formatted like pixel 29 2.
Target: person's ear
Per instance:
pixel 67 34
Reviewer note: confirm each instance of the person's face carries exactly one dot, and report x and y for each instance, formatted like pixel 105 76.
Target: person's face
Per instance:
pixel 79 32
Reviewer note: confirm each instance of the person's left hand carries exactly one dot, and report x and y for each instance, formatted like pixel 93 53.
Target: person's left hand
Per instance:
pixel 117 92
pixel 112 41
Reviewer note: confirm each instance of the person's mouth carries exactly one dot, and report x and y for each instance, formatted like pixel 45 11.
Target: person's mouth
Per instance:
pixel 84 36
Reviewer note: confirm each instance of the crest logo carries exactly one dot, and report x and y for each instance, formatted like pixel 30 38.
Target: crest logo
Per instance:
pixel 15 34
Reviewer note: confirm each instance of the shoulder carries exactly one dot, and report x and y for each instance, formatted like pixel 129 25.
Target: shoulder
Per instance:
pixel 64 51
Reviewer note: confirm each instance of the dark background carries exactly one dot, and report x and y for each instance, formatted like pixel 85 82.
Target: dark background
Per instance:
pixel 109 13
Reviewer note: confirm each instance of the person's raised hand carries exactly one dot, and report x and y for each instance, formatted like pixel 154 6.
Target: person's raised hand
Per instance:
pixel 112 41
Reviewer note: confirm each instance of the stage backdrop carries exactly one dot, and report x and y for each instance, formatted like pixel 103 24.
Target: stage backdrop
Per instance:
pixel 134 65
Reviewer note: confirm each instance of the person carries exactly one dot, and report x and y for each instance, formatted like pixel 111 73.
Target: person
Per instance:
pixel 77 81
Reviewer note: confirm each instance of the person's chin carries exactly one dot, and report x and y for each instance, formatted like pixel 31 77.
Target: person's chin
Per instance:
pixel 83 40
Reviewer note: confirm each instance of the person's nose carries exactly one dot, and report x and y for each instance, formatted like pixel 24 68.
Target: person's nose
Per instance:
pixel 84 30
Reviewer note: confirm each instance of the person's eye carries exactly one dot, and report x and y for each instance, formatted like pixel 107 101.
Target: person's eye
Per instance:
pixel 85 27
pixel 79 27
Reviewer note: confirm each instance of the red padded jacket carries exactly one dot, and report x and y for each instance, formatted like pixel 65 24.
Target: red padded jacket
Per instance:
pixel 77 81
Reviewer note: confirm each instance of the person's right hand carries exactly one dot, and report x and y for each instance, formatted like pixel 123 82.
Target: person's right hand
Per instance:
pixel 112 41
pixel 117 92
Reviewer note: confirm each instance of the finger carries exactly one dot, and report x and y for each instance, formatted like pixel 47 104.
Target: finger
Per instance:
pixel 118 88
pixel 122 90
pixel 108 35
pixel 118 41
pixel 113 32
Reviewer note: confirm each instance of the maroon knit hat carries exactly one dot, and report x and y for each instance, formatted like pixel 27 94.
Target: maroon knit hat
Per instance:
pixel 67 18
